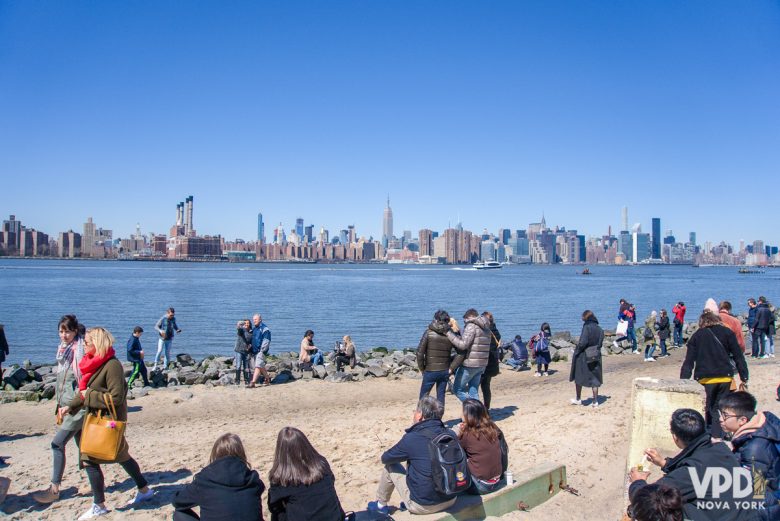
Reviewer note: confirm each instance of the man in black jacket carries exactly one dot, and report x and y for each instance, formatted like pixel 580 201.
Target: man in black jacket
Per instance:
pixel 763 322
pixel 415 482
pixel 434 356
pixel 690 472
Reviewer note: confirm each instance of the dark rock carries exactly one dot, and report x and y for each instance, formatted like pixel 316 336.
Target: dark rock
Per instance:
pixel 319 371
pixel 380 349
pixel 283 378
pixel 17 377
pixel 185 360
pixel 49 390
pixel 34 387
pixel 339 377
pixel 158 378
pixel 564 354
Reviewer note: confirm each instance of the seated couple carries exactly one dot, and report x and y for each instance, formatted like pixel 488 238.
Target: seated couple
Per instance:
pixel 481 440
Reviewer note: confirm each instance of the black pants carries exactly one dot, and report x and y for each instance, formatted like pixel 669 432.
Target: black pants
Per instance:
pixel 138 368
pixel 187 514
pixel 484 384
pixel 342 360
pixel 714 392
pixel 95 475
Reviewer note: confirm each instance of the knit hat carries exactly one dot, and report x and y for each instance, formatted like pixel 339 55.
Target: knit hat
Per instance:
pixel 711 305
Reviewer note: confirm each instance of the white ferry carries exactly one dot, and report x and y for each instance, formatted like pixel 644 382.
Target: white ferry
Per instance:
pixel 487 265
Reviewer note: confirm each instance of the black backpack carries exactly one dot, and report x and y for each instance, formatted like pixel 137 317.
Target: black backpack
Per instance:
pixel 449 467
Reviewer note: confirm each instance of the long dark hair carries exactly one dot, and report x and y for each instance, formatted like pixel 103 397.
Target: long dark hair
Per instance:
pixel 296 461
pixel 546 328
pixel 476 420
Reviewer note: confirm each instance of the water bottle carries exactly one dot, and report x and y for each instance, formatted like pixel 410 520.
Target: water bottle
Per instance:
pixel 509 477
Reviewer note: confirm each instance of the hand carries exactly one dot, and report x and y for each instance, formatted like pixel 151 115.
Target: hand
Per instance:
pixel 636 475
pixel 142 354
pixel 83 395
pixel 655 457
pixel 62 411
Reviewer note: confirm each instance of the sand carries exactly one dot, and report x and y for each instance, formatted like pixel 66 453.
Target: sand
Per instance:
pixel 350 424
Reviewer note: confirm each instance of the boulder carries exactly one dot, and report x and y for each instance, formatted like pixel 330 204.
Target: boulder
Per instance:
pixel 560 343
pixel 377 371
pixel 184 360
pixel 339 377
pixel 382 350
pixel 139 392
pixel 412 375
pixel 374 362
pixel 49 390
pixel 45 370
pixel 409 360
pixel 18 396
pixel 565 353
pixel 283 378
pixel 377 355
pixel 615 349
pixel 16 378
pixel 34 387
pixel 562 335
pixel 319 371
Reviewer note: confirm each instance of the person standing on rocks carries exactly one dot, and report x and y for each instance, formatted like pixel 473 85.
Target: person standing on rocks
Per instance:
pixel 69 354
pixel 165 327
pixel 135 355
pixel 472 351
pixel 433 356
pixel 261 346
pixel 243 350
pixel 586 366
pixel 679 320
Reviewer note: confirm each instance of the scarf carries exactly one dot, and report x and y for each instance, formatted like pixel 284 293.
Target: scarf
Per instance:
pixel 90 364
pixel 70 355
pixel 755 423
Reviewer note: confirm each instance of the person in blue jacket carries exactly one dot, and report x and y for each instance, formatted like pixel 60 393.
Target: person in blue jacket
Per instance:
pixel 135 354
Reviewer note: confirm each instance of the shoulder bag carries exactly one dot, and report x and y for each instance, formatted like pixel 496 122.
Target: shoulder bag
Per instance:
pixel 101 437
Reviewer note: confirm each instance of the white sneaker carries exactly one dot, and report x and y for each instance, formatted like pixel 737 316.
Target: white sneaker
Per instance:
pixel 545 373
pixel 595 405
pixel 762 357
pixel 94 511
pixel 649 359
pixel 614 343
pixel 537 374
pixel 140 497
pixel 575 401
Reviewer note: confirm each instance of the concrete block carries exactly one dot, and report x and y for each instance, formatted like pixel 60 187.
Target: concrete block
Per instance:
pixel 652 403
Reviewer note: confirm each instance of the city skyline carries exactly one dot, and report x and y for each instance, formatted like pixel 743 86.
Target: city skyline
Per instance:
pixel 487 114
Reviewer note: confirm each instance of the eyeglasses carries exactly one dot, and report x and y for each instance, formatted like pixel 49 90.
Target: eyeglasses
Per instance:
pixel 724 417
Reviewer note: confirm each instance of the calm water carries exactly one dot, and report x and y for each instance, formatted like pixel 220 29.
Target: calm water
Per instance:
pixel 383 305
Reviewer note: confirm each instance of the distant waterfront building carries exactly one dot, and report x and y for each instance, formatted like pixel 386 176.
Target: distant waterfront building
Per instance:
pixel 487 251
pixel 351 234
pixel 692 238
pixel 504 234
pixel 308 234
pixel 440 248
pixel 33 243
pixel 387 224
pixel 426 242
pixel 323 236
pixel 260 229
pixel 343 237
pixel 624 216
pixel 11 235
pixel 69 244
pixel 299 227
pixel 625 246
pixel 656 248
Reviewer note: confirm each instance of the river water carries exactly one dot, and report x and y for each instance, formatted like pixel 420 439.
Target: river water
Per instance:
pixel 378 305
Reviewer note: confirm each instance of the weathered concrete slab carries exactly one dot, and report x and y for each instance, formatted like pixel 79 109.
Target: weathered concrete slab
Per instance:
pixel 653 401
pixel 533 487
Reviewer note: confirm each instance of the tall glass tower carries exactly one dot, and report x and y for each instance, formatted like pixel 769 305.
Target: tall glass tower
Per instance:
pixel 260 228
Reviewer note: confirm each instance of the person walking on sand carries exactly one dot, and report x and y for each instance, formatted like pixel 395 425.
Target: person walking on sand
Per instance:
pixel 69 353
pixel 261 346
pixel 135 355
pixel 586 366
pixel 433 356
pixel 165 327
pixel 105 375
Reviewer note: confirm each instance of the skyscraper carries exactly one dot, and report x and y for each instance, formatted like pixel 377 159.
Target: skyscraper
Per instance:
pixel 692 238
pixel 299 226
pixel 387 224
pixel 656 254
pixel 426 242
pixel 260 229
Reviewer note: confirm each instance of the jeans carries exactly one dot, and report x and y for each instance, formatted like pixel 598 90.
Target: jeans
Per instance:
pixel 758 338
pixel 663 347
pixel 480 488
pixel 164 347
pixel 678 335
pixel 649 348
pixel 58 443
pixel 394 478
pixel 435 377
pixel 631 335
pixel 243 364
pixel 138 368
pixel 98 485
pixel 316 358
pixel 467 381
pixel 517 364
pixel 770 346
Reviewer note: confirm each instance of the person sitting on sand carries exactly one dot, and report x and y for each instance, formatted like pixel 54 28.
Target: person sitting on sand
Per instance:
pixel 485 446
pixel 227 489
pixel 302 484
pixel 415 482
pixel 698 456
pixel 309 352
pixel 519 359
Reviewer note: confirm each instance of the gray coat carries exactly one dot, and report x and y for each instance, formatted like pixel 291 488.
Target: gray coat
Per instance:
pixel 472 347
pixel 584 373
pixel 64 394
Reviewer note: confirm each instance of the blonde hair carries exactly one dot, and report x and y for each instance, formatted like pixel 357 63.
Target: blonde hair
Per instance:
pixel 101 339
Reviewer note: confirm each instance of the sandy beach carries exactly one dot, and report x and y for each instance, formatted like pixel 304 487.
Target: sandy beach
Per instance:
pixel 171 432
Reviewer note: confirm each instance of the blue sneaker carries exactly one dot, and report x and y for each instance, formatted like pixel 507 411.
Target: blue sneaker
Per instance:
pixel 373 506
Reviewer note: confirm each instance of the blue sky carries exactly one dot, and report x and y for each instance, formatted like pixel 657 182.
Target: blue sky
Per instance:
pixel 493 112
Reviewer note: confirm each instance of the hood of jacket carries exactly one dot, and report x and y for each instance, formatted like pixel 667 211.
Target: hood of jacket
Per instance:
pixel 439 327
pixel 479 321
pixel 763 425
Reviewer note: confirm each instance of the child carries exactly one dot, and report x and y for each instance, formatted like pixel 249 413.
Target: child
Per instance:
pixel 227 489
pixel 135 354
pixel 540 347
pixel 755 439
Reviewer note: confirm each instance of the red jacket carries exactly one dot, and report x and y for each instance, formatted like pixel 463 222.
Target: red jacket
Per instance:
pixel 679 313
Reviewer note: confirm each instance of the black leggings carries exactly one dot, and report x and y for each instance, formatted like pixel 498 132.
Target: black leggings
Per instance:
pixel 484 384
pixel 98 485
pixel 713 393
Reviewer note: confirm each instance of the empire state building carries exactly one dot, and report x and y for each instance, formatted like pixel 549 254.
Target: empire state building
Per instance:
pixel 387 224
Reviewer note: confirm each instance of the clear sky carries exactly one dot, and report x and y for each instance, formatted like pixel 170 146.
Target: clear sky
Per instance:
pixel 493 112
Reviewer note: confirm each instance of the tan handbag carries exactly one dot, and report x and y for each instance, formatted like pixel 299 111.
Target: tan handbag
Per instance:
pixel 101 437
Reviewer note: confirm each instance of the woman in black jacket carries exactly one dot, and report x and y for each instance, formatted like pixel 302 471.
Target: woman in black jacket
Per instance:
pixel 664 332
pixel 492 366
pixel 584 372
pixel 302 484
pixel 226 490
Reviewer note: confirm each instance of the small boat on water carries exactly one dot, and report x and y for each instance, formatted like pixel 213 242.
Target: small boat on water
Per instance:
pixel 748 271
pixel 487 265
pixel 586 271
